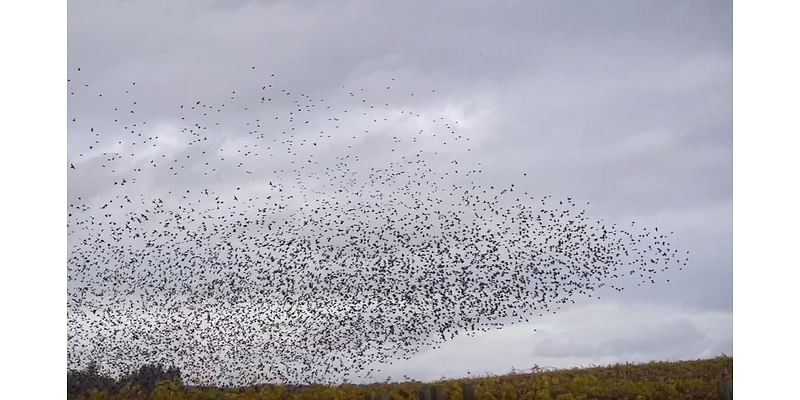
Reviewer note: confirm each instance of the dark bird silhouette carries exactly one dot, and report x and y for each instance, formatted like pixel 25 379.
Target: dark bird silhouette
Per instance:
pixel 334 257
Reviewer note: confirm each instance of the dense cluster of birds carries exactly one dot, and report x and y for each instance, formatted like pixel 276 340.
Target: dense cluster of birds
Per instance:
pixel 271 235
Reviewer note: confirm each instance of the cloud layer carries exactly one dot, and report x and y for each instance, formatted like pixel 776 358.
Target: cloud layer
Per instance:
pixel 626 105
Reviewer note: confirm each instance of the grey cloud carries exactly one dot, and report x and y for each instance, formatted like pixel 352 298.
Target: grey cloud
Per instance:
pixel 679 336
pixel 590 333
pixel 624 104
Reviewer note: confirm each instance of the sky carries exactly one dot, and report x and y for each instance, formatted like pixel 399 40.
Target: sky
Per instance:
pixel 625 104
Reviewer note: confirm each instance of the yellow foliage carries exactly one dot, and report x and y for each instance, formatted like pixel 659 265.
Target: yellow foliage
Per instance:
pixel 662 381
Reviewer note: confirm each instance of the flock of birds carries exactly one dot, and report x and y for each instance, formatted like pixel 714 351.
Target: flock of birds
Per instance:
pixel 273 236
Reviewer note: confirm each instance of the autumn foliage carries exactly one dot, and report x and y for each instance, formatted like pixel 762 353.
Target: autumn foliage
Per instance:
pixel 698 379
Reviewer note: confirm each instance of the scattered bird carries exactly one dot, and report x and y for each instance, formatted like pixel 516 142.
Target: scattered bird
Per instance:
pixel 333 258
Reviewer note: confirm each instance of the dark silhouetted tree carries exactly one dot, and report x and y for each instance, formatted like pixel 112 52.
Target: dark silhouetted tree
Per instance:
pixel 85 380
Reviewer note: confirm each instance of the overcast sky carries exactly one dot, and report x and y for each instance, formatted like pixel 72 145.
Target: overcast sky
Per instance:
pixel 626 104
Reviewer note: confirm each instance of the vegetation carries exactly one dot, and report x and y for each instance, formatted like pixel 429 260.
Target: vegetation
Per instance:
pixel 699 379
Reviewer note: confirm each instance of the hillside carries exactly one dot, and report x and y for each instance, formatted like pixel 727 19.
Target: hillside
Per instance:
pixel 697 379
